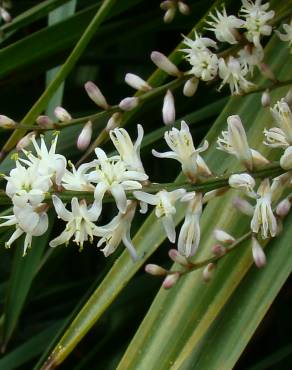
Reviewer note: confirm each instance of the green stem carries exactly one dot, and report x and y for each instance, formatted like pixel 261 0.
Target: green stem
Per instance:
pixel 42 102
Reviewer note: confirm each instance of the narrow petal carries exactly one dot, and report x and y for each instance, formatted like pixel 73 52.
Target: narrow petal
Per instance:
pixel 119 194
pixel 60 209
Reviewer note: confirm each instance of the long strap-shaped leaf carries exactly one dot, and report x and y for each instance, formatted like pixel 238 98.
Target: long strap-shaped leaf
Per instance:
pixel 42 102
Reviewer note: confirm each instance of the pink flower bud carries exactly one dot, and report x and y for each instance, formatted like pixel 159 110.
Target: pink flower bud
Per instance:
pixel 155 270
pixel 84 137
pixel 170 280
pixel 162 62
pixel 167 4
pixel 183 8
pixel 266 99
pixel 129 103
pixel 223 237
pixel 137 82
pixel 96 95
pixel 258 254
pixel 168 109
pixel 169 15
pixel 218 250
pixel 62 115
pixel 44 121
pixel 114 121
pixel 283 208
pixel 177 257
pixel 190 87
pixel 6 122
pixel 25 141
pixel 208 272
pixel 5 15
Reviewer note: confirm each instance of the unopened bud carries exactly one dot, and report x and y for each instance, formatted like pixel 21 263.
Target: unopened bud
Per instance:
pixel 84 137
pixel 218 250
pixel 288 97
pixel 162 62
pixel 243 206
pixel 223 237
pixel 183 8
pixel 286 159
pixel 177 257
pixel 214 193
pixel 283 208
pixel 62 115
pixel 258 253
pixel 96 95
pixel 168 109
pixel 5 15
pixel 137 82
pixel 258 159
pixel 25 141
pixel 266 99
pixel 44 121
pixel 129 103
pixel 208 272
pixel 169 15
pixel 167 4
pixel 114 121
pixel 6 122
pixel 155 270
pixel 267 72
pixel 170 280
pixel 190 87
pixel 242 181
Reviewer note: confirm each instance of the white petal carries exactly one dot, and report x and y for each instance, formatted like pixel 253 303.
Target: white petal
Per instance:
pixel 169 228
pixel 119 194
pixel 60 209
pixel 146 197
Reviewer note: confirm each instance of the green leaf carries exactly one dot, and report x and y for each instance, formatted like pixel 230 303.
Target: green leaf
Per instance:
pixel 23 272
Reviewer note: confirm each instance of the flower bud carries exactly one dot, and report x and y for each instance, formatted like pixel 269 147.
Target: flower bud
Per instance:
pixel 6 122
pixel 129 103
pixel 168 109
pixel 214 193
pixel 169 15
pixel 96 95
pixel 286 159
pixel 288 97
pixel 258 254
pixel 62 115
pixel 183 8
pixel 44 121
pixel 137 82
pixel 167 4
pixel 267 72
pixel 242 181
pixel 177 257
pixel 84 137
pixel 208 272
pixel 190 87
pixel 218 250
pixel 223 237
pixel 258 159
pixel 162 62
pixel 283 208
pixel 114 121
pixel 155 270
pixel 243 206
pixel 5 15
pixel 266 99
pixel 25 141
pixel 170 280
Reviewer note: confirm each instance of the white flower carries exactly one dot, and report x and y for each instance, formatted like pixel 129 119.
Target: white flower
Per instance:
pixel 29 220
pixel 224 26
pixel 256 18
pixel 286 36
pixel 189 236
pixel 111 175
pixel 233 73
pixel 183 150
pixel 129 152
pixel 280 137
pixel 263 218
pixel 47 161
pixel 77 179
pixel 165 207
pixel 199 44
pixel 234 141
pixel 204 65
pixel 79 221
pixel 117 231
pixel 243 182
pixel 26 185
pixel 249 57
pixel 286 159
